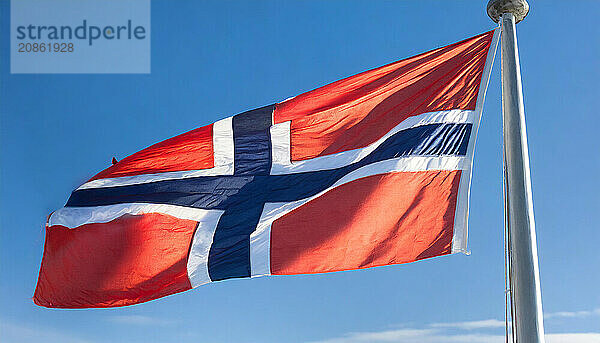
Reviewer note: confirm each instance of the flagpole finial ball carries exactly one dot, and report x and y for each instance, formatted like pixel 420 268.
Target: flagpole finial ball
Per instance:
pixel 519 8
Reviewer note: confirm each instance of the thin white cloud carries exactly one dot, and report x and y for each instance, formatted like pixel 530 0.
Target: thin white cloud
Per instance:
pixel 471 325
pixel 464 332
pixel 589 337
pixel 575 314
pixel 413 336
pixel 439 336
pixel 139 320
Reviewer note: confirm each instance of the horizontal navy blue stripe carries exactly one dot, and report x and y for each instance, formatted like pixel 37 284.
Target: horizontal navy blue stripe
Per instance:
pixel 242 196
pixel 220 192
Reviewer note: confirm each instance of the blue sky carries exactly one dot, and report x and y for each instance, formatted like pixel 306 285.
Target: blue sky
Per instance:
pixel 215 59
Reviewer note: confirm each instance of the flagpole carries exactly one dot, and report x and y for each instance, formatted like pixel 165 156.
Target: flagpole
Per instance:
pixel 527 321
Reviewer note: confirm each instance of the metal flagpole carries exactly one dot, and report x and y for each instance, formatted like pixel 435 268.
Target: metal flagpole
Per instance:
pixel 527 321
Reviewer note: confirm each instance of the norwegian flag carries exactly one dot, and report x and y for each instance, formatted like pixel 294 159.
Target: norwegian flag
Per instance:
pixel 367 171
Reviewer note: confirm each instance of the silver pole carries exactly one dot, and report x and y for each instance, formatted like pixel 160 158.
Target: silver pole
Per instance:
pixel 528 325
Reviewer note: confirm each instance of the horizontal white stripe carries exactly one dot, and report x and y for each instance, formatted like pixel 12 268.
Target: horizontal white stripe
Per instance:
pixel 280 138
pixel 138 179
pixel 73 217
pixel 223 161
pixel 260 239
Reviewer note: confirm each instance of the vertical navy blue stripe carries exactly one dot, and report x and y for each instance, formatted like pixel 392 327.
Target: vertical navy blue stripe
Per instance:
pixel 229 255
pixel 252 141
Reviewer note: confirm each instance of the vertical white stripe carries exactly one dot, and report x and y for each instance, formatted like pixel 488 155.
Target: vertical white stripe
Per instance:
pixel 260 242
pixel 280 141
pixel 197 265
pixel 223 143
pixel 459 240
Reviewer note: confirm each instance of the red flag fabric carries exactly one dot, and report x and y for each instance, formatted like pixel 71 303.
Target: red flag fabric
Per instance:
pixel 368 171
